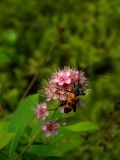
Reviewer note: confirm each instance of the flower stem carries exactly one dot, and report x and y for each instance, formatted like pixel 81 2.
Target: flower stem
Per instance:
pixel 31 141
pixel 23 151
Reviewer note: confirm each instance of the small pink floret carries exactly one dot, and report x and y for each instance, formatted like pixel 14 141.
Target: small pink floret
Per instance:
pixel 50 128
pixel 41 111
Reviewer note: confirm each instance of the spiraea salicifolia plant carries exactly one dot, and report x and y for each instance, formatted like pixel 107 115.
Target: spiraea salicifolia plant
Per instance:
pixel 65 86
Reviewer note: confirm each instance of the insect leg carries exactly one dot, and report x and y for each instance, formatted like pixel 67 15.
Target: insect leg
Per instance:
pixel 74 107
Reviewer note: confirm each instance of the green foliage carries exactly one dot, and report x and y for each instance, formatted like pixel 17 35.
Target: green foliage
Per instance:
pixel 82 127
pixel 39 37
pixel 5 136
pixel 43 150
pixel 5 139
pixel 20 120
pixel 4 58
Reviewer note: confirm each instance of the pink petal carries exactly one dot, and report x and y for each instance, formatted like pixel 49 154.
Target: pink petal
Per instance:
pixel 56 80
pixel 62 109
pixel 60 74
pixel 43 127
pixel 47 134
pixel 68 81
pixel 68 73
pixel 61 83
pixel 47 113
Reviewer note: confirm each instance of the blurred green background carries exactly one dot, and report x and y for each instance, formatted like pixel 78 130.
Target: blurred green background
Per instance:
pixel 39 37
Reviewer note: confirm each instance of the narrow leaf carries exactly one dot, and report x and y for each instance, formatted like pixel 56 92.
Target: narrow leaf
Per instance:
pixel 5 139
pixel 43 150
pixel 35 130
pixel 82 127
pixel 3 127
pixel 20 120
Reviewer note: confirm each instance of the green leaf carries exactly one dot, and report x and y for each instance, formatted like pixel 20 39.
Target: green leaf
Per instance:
pixel 58 145
pixel 43 150
pixel 4 136
pixel 68 144
pixel 63 134
pixel 82 127
pixel 4 58
pixel 20 120
pixel 35 130
pixel 57 149
pixel 3 127
pixel 5 139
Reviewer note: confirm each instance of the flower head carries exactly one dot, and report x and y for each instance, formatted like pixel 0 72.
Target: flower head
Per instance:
pixel 50 128
pixel 64 80
pixel 41 111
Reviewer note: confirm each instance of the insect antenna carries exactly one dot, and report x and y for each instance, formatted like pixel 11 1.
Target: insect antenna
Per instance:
pixel 78 68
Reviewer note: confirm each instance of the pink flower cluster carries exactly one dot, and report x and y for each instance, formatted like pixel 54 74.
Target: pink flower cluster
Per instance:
pixel 58 85
pixel 50 128
pixel 63 80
